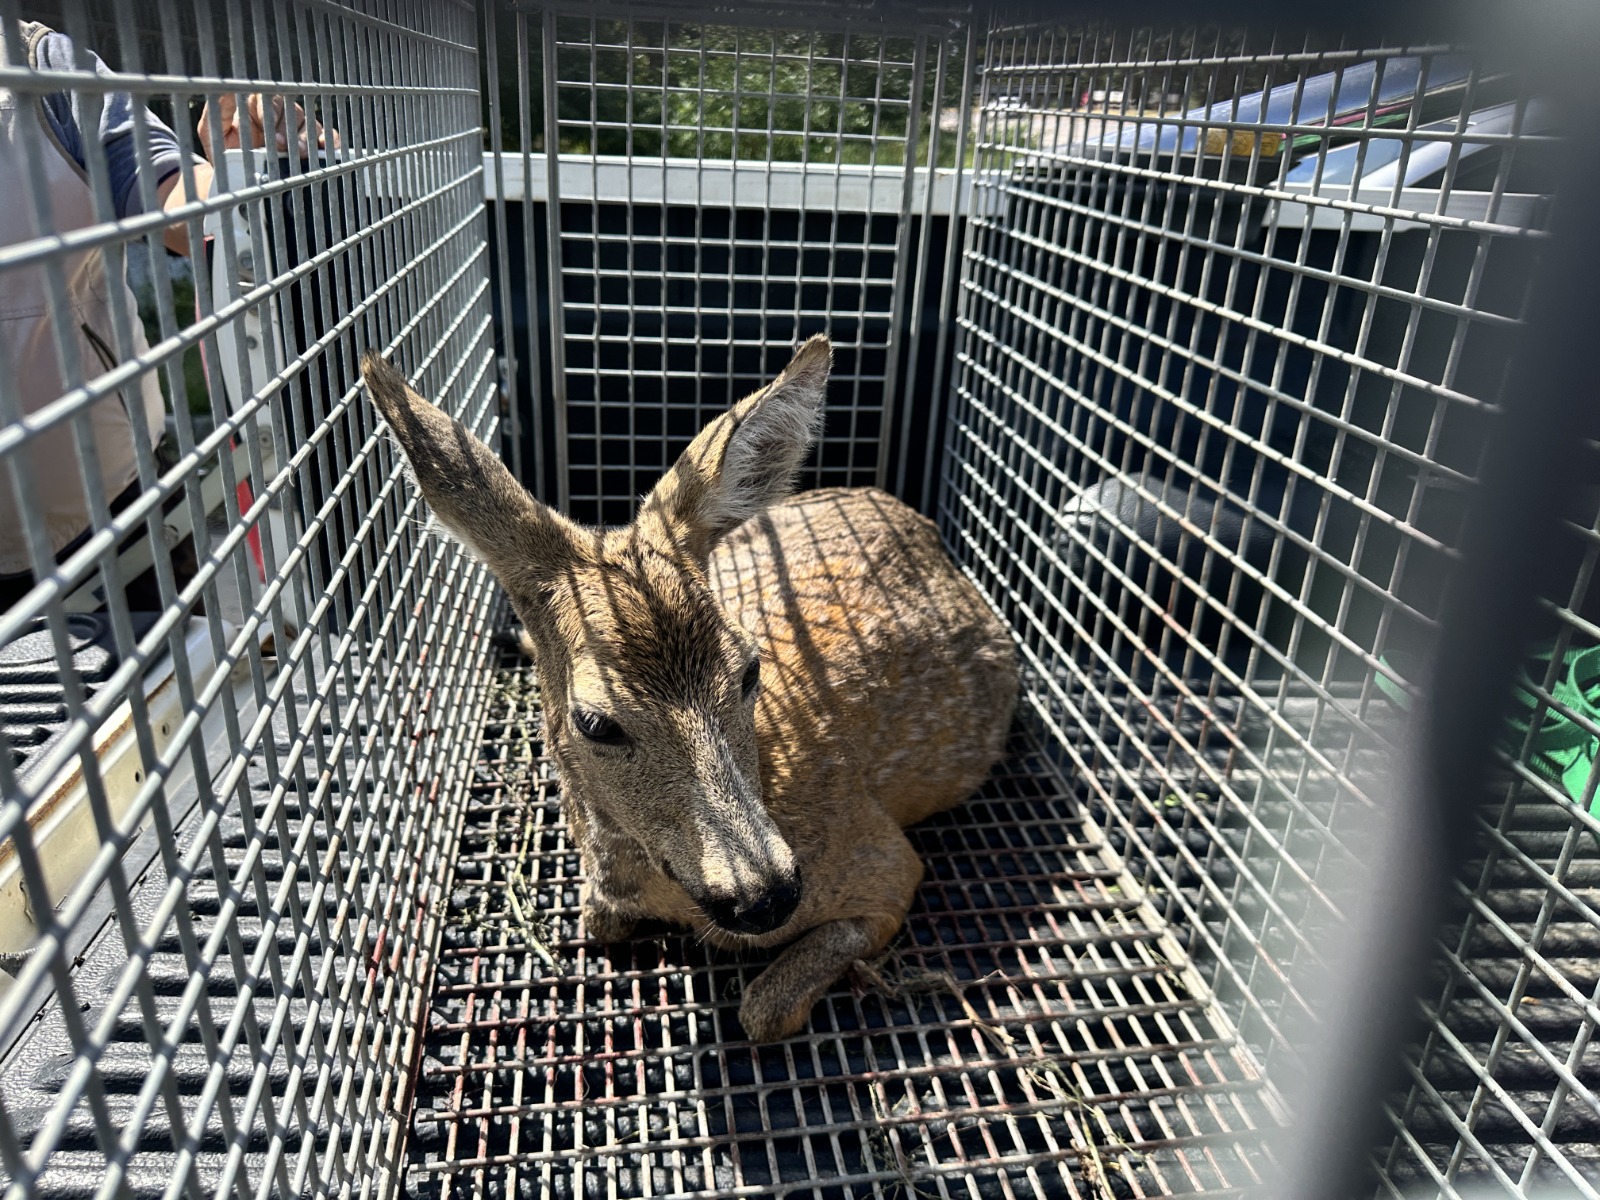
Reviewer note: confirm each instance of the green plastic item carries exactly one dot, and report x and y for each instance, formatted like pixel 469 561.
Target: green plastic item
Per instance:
pixel 1561 750
pixel 1391 687
pixel 1578 688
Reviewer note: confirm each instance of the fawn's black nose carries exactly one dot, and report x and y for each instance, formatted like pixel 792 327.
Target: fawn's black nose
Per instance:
pixel 766 912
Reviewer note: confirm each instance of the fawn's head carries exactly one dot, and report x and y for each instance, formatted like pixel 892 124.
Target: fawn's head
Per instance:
pixel 649 689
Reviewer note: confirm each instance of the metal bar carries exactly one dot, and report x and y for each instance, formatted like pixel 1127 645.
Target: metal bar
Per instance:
pixel 952 267
pixel 492 67
pixel 530 273
pixel 558 330
pixel 903 290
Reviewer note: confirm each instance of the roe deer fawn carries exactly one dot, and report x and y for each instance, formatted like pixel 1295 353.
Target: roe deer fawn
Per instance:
pixel 747 697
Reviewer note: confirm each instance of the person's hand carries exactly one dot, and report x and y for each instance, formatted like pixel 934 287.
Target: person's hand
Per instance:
pixel 288 122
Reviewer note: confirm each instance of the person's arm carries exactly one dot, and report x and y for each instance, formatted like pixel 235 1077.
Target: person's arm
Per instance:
pixel 223 112
pixel 170 194
pixel 65 112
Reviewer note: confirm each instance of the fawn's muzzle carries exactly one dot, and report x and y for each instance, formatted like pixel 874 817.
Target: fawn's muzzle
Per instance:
pixel 762 914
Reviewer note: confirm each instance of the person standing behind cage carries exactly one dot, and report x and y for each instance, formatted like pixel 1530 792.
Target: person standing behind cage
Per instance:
pixel 28 324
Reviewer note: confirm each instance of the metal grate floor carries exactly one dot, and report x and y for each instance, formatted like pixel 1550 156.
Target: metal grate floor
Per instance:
pixel 1036 1032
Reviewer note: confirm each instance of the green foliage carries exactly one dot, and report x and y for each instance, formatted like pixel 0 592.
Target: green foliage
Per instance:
pixel 719 93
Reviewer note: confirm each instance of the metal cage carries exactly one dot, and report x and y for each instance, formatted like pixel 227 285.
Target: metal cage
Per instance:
pixel 1195 341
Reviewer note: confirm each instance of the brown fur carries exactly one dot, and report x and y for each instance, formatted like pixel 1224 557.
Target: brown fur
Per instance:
pixel 887 685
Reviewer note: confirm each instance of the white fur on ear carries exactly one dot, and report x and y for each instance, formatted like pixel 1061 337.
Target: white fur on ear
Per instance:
pixel 772 439
pixel 743 461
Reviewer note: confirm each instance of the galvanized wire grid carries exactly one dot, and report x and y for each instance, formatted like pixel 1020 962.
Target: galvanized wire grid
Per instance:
pixel 1034 1032
pixel 726 190
pixel 1219 378
pixel 1215 398
pixel 218 918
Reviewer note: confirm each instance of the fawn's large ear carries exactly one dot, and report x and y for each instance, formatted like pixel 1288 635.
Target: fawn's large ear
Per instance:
pixel 744 460
pixel 522 541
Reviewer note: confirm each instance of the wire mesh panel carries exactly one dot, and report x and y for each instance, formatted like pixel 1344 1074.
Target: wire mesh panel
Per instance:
pixel 722 191
pixel 238 685
pixel 1235 313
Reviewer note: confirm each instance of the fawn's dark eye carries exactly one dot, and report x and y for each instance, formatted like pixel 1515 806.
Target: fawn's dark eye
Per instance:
pixel 752 679
pixel 596 727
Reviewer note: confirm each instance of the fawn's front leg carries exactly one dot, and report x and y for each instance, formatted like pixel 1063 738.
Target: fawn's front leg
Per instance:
pixel 610 900
pixel 778 1001
pixel 603 919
